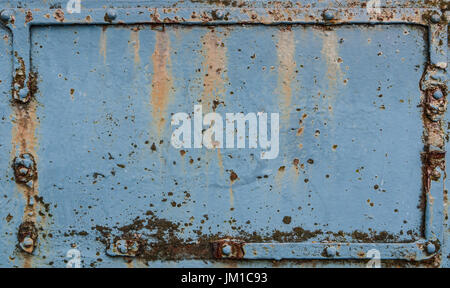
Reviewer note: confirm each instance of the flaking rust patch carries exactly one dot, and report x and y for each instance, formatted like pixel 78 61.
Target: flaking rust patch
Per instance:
pixel 162 80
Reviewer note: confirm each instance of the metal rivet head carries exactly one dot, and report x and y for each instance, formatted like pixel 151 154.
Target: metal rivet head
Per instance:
pixel 331 251
pixel 27 242
pixel 6 15
pixel 226 250
pixel 328 15
pixel 438 94
pixel 435 18
pixel 431 248
pixel 23 93
pixel 111 14
pixel 218 14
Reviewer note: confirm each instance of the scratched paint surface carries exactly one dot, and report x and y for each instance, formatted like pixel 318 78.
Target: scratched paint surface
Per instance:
pixel 349 167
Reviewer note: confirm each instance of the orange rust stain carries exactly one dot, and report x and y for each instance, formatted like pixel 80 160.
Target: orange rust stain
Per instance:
pixel 286 70
pixel 27 261
pixel 136 44
pixel 103 41
pixel 214 69
pixel 162 79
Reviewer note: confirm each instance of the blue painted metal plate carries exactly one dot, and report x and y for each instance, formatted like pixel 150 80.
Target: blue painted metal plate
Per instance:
pixel 346 170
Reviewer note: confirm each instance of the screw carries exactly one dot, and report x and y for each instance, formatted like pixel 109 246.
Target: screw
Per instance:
pixel 431 248
pixel 111 14
pixel 6 15
pixel 226 250
pixel 438 94
pixel 328 15
pixel 331 251
pixel 435 18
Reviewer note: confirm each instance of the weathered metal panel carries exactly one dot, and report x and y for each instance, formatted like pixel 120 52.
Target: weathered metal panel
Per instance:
pixel 86 129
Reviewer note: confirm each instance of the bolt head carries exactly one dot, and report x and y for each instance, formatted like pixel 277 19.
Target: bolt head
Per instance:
pixel 226 250
pixel 431 248
pixel 331 251
pixel 328 15
pixel 438 94
pixel 111 14
pixel 435 18
pixel 6 15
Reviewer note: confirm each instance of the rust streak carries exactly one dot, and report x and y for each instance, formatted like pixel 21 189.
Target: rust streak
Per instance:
pixel 214 69
pixel 330 53
pixel 136 44
pixel 23 141
pixel 162 79
pixel 103 41
pixel 286 70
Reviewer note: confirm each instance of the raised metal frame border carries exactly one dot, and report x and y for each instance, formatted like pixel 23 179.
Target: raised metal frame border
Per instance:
pixel 20 21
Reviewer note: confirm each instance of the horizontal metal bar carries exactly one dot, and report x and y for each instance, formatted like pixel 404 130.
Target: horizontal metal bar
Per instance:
pixel 228 16
pixel 395 251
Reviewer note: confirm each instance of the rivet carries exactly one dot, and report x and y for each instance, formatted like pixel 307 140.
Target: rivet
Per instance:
pixel 27 242
pixel 226 250
pixel 438 94
pixel 435 18
pixel 331 251
pixel 436 174
pixel 219 14
pixel 431 248
pixel 111 14
pixel 6 15
pixel 23 93
pixel 328 15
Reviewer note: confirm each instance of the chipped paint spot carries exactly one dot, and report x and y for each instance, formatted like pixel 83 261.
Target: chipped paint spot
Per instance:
pixel 162 79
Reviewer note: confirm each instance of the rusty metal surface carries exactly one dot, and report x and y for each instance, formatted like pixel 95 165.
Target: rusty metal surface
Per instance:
pixel 85 125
